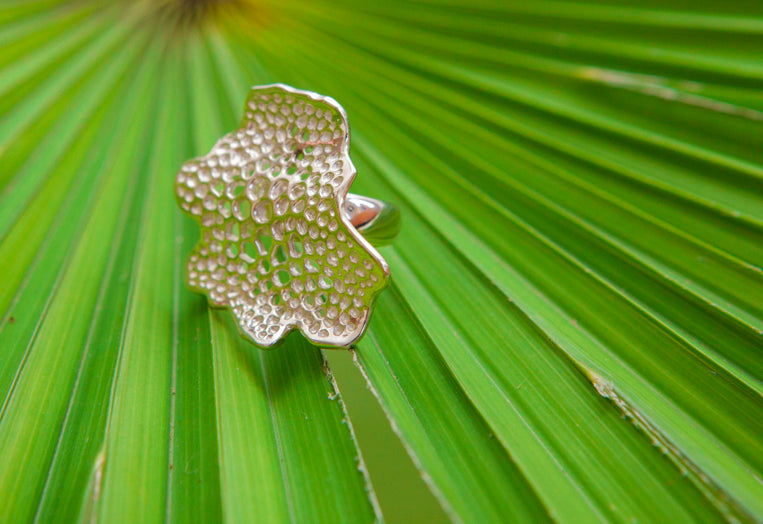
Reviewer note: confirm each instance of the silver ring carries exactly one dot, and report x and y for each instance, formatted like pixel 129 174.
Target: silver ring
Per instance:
pixel 283 245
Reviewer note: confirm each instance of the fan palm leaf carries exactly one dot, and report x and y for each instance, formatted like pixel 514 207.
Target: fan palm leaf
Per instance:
pixel 575 322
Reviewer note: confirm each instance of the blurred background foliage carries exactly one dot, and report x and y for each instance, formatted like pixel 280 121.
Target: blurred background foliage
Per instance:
pixel 575 324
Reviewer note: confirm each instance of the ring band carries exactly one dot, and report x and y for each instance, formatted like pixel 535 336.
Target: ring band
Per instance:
pixel 376 220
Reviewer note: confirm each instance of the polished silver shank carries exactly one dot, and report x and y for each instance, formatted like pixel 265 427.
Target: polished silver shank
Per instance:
pixel 376 220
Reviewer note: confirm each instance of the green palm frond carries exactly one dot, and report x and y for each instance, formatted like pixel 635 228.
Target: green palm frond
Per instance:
pixel 575 322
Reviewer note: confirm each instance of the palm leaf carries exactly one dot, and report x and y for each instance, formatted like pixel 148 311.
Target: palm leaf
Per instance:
pixel 575 323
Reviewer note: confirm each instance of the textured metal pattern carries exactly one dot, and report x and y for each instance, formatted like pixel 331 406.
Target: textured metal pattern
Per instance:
pixel 275 247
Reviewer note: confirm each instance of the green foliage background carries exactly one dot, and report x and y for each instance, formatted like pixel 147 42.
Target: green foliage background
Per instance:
pixel 575 324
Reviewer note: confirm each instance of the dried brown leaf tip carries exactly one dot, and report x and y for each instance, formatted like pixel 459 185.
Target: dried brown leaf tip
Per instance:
pixel 275 247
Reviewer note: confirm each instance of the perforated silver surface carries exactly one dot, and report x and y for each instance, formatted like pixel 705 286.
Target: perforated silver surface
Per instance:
pixel 274 246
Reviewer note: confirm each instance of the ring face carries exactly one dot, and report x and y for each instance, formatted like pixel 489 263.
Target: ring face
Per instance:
pixel 275 246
